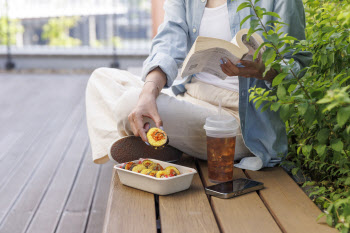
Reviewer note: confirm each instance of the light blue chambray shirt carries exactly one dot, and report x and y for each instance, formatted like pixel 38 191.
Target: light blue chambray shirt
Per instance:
pixel 264 133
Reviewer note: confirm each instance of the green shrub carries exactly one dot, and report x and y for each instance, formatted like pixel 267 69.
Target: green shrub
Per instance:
pixel 316 107
pixel 56 31
pixel 15 27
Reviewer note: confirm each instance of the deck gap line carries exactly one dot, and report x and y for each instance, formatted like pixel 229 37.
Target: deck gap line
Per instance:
pixel 73 184
pixel 156 203
pixel 37 166
pixel 26 132
pixel 53 175
pixel 268 207
pixel 9 147
pixel 10 173
pixel 93 197
pixel 199 170
pixel 28 180
pixel 46 124
pixel 208 196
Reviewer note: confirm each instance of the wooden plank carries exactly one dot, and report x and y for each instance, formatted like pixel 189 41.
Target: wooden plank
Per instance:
pixel 8 142
pixel 54 102
pixel 47 215
pixel 246 213
pixel 291 207
pixel 187 211
pixel 76 212
pixel 129 210
pixel 33 116
pixel 99 205
pixel 24 205
pixel 18 179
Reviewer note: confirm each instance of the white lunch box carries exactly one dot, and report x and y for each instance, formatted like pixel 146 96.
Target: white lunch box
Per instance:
pixel 160 186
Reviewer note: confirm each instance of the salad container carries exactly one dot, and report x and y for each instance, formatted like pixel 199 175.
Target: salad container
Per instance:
pixel 160 186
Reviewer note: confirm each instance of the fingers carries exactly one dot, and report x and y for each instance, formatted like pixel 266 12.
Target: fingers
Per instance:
pixel 139 127
pixel 250 69
pixel 227 71
pixel 146 126
pixel 230 66
pixel 156 118
pixel 132 123
pixel 248 64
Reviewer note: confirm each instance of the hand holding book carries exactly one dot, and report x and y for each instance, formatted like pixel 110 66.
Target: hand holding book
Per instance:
pixel 251 69
pixel 206 53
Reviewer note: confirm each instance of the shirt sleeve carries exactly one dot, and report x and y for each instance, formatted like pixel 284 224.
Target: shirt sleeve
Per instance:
pixel 169 46
pixel 292 13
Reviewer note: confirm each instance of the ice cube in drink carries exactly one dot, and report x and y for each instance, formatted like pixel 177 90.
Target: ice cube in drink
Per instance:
pixel 220 152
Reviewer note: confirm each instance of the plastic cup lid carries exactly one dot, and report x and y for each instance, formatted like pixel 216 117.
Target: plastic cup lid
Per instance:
pixel 221 123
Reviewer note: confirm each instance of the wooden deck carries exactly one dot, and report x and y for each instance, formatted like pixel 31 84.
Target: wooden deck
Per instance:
pixel 48 182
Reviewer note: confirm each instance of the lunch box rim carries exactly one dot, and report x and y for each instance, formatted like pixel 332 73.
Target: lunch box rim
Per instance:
pixel 192 172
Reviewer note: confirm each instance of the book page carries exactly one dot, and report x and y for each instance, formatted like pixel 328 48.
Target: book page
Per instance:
pixel 212 62
pixel 252 45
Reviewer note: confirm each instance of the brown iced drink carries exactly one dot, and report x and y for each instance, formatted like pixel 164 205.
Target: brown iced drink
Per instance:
pixel 221 140
pixel 221 152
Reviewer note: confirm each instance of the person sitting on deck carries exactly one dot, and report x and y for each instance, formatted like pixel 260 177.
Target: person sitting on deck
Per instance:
pixel 119 104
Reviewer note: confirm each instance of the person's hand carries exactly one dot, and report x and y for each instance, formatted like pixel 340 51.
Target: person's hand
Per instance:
pixel 250 70
pixel 146 105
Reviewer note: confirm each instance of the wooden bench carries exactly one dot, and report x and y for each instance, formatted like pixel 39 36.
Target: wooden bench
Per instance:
pixel 281 207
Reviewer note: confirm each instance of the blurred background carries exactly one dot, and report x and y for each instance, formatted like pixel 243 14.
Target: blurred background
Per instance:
pixel 76 34
pixel 48 49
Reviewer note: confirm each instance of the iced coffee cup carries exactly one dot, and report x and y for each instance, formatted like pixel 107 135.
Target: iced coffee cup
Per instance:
pixel 221 134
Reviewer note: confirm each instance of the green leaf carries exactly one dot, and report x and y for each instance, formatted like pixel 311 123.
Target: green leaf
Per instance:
pixel 347 181
pixel 320 216
pixel 295 171
pixel 245 19
pixel 271 58
pixel 278 79
pixel 273 38
pixel 343 116
pixel 265 107
pixel 284 112
pixel 250 32
pixel 320 149
pixel 323 135
pixel 258 50
pixel 337 144
pixel 329 220
pixel 302 108
pixel 306 149
pixel 275 106
pixel 292 87
pixel 273 14
pixel 309 115
pixel 288 38
pixel 267 55
pixel 257 105
pixel 243 5
pixel 281 92
pixel 254 23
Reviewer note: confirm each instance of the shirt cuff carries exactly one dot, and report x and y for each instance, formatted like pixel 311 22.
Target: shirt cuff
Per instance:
pixel 165 62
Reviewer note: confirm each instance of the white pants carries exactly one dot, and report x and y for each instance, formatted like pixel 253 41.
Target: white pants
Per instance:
pixel 111 94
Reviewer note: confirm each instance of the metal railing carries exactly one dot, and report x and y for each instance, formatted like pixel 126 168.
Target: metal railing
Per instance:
pixel 59 26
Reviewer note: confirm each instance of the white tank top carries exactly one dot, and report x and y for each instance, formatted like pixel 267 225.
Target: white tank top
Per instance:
pixel 215 23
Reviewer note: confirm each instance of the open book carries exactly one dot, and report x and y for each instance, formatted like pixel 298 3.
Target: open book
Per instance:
pixel 206 53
